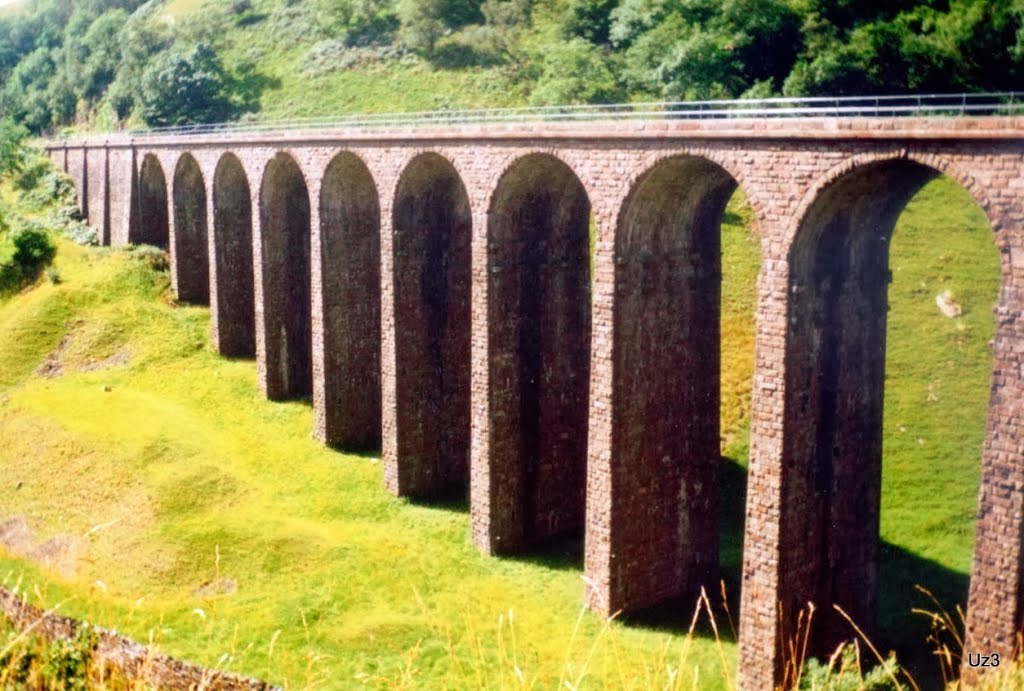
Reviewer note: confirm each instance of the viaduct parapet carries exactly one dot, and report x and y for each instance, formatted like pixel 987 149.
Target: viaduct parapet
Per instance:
pixel 432 290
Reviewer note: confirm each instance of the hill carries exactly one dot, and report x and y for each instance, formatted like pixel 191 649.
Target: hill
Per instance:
pixel 117 63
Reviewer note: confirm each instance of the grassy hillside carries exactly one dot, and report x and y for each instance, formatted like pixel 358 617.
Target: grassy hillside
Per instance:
pixel 150 487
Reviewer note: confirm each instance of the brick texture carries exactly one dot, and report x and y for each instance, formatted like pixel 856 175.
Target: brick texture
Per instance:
pixel 432 289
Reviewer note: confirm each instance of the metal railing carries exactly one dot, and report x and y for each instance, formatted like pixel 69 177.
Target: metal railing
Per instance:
pixel 931 105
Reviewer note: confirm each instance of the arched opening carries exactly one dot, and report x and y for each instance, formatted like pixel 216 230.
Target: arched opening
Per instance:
pixel 865 383
pixel 663 524
pixel 432 229
pixel 285 238
pixel 234 297
pixel 350 267
pixel 538 307
pixel 190 252
pixel 151 225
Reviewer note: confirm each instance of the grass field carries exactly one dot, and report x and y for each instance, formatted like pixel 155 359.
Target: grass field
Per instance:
pixel 190 510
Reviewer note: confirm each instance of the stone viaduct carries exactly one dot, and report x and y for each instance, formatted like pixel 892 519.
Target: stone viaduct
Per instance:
pixel 430 288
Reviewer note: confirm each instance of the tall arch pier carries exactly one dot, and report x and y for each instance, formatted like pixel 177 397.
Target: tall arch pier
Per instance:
pixel 529 315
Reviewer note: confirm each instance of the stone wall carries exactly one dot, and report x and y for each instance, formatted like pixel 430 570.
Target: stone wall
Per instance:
pixel 138 663
pixel 584 400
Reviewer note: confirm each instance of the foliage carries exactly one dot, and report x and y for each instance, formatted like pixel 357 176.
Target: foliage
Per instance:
pixel 575 72
pixel 84 63
pixel 23 255
pixel 12 149
pixel 861 47
pixel 335 54
pixel 843 673
pixel 181 89
pixel 361 22
pixel 590 20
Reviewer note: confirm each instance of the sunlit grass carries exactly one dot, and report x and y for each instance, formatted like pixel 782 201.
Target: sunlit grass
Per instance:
pixel 182 474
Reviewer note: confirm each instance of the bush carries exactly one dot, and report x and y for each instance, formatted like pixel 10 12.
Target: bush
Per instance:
pixel 336 54
pixel 81 233
pixel 29 250
pixel 843 673
pixel 154 257
pixel 33 247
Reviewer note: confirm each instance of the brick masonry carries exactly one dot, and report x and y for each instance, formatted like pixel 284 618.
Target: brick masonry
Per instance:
pixel 591 406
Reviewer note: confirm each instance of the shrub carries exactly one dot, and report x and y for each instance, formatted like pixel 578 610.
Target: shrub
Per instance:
pixel 32 247
pixel 336 54
pixel 65 664
pixel 154 257
pixel 29 250
pixel 842 673
pixel 81 233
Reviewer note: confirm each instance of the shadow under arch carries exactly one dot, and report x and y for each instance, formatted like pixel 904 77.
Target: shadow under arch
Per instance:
pixel 835 354
pixel 150 224
pixel 538 307
pixel 658 531
pixel 234 290
pixel 285 242
pixel 191 249
pixel 432 224
pixel 350 280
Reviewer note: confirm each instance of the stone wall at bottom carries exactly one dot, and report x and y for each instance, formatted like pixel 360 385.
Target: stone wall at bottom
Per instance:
pixel 136 661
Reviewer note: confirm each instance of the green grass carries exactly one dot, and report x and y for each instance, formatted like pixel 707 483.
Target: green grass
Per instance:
pixel 175 472
pixel 180 459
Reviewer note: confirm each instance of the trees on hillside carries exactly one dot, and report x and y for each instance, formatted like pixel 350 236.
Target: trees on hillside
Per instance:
pixel 65 61
pixel 182 88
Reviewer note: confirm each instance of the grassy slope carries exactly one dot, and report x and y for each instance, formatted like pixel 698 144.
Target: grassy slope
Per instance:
pixel 182 460
pixel 277 47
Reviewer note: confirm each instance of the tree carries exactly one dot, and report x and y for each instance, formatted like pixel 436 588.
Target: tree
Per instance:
pixel 420 24
pixel 590 20
pixel 12 153
pixel 575 72
pixel 24 96
pixel 181 89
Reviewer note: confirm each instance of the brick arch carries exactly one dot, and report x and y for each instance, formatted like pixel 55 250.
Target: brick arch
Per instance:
pixel 837 285
pixel 510 161
pixel 657 534
pixel 285 241
pixel 941 165
pixel 190 248
pixel 233 290
pixel 712 156
pixel 350 220
pixel 431 222
pixel 151 224
pixel 538 321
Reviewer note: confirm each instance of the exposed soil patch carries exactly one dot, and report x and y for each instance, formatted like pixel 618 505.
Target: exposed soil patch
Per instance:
pixel 52 366
pixel 220 586
pixel 61 553
pixel 121 357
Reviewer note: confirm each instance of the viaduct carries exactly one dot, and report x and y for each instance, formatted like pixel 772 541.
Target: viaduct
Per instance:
pixel 431 289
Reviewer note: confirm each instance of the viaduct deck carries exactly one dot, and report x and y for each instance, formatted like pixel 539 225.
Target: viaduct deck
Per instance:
pixel 431 289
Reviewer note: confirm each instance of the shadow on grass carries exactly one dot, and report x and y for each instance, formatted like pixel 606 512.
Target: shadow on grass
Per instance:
pixel 563 553
pixel 900 571
pixel 899 629
pixel 454 499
